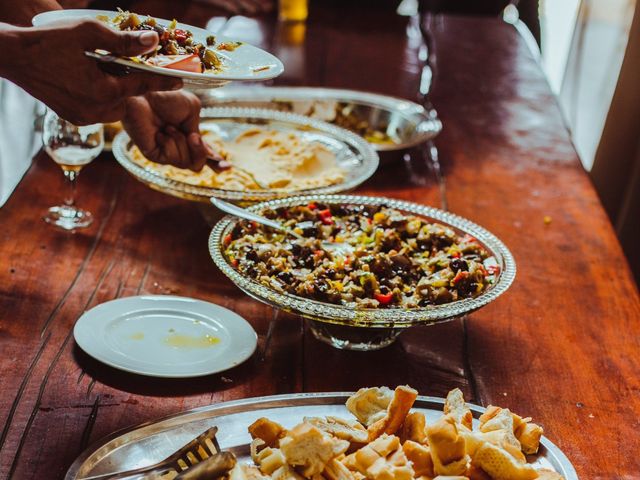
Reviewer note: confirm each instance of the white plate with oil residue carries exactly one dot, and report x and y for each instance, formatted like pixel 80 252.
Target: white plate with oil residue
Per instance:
pixel 165 336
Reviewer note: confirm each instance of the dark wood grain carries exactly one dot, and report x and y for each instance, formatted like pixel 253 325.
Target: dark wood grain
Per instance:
pixel 562 345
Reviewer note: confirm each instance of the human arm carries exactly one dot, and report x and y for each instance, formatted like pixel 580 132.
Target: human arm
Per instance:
pixel 50 64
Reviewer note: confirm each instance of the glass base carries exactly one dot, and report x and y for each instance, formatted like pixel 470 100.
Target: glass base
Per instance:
pixel 354 338
pixel 68 218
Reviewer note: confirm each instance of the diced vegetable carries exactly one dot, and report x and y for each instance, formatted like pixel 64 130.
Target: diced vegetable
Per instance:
pixel 401 261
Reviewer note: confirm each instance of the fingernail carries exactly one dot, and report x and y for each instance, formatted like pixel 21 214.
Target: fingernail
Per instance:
pixel 148 38
pixel 176 86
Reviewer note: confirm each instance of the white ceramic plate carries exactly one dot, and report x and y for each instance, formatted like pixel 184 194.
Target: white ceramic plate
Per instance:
pixel 165 336
pixel 245 63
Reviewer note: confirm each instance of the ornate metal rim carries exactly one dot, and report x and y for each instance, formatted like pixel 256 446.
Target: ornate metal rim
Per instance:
pixel 338 314
pixel 361 148
pixel 427 124
pixel 126 436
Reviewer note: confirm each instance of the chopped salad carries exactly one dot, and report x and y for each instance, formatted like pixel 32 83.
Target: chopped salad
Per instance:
pixel 177 48
pixel 393 260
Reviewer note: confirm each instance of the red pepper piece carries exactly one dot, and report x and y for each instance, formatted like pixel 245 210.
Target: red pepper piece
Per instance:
pixel 325 216
pixel 180 36
pixel 383 298
pixel 227 239
pixel 234 262
pixel 312 206
pixel 461 275
pixel 469 239
pixel 493 269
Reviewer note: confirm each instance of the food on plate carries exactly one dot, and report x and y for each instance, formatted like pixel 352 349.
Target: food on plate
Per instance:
pixel 447 448
pixel 177 49
pixel 384 257
pixel 342 114
pixel 260 159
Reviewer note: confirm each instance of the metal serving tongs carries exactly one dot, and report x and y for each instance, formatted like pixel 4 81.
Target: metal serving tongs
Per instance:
pixel 200 458
pixel 340 248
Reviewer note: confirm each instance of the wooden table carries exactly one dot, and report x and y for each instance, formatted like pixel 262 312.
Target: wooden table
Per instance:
pixel 562 345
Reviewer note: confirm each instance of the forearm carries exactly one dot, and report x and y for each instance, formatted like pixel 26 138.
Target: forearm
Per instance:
pixel 21 12
pixel 9 42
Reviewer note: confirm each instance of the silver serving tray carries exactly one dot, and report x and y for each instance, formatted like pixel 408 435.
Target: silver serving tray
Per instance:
pixel 408 123
pixel 346 315
pixel 151 442
pixel 358 159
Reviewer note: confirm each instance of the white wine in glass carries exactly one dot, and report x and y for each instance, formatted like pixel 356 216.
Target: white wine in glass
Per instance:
pixel 72 148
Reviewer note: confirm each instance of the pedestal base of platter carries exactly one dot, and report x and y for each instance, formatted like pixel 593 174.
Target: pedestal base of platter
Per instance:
pixel 353 338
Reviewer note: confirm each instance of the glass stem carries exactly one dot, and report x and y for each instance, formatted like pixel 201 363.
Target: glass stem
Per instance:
pixel 70 176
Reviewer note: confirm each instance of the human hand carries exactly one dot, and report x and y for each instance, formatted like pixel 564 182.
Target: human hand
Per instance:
pixel 49 63
pixel 166 128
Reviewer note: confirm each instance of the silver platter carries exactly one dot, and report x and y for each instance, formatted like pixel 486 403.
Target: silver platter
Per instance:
pixel 151 442
pixel 368 317
pixel 407 123
pixel 354 155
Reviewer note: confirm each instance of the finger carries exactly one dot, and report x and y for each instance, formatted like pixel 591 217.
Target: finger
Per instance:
pixel 177 108
pixel 180 142
pixel 198 151
pixel 166 151
pixel 191 123
pixel 137 84
pixel 139 123
pixel 129 44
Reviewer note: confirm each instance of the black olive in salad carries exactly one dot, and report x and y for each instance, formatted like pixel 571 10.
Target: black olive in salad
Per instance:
pixel 392 259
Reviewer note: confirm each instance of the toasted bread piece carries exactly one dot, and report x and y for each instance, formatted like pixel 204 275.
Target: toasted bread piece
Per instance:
pixel 370 404
pixel 402 401
pixel 450 477
pixel 269 460
pixel 476 473
pixel 363 458
pixel 526 432
pixel 308 448
pixel 529 435
pixel 420 457
pixel 384 470
pixel 246 472
pixel 447 447
pixel 455 406
pixel 501 428
pixel 268 431
pixel 256 447
pixel 414 428
pixel 285 472
pixel 352 431
pixel 336 470
pixel 395 466
pixel 501 465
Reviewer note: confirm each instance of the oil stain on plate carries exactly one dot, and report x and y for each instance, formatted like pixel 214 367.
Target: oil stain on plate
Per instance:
pixel 177 340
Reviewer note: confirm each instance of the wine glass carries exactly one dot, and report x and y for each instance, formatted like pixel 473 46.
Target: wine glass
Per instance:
pixel 72 148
